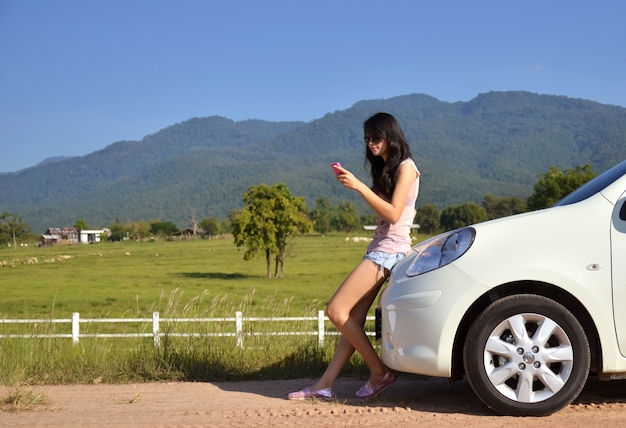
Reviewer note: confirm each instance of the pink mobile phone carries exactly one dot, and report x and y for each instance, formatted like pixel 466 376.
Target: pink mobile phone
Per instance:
pixel 335 165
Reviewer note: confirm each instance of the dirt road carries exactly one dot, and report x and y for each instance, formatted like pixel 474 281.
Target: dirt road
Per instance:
pixel 408 403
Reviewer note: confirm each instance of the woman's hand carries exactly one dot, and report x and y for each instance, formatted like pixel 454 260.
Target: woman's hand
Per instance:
pixel 347 179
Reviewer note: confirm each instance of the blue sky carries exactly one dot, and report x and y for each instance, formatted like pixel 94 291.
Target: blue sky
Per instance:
pixel 76 76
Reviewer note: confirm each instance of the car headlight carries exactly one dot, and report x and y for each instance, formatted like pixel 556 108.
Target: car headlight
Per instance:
pixel 441 250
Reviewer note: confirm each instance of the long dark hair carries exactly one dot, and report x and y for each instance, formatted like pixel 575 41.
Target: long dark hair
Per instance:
pixel 385 174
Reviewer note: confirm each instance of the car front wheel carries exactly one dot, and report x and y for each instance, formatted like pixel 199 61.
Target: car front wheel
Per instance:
pixel 526 355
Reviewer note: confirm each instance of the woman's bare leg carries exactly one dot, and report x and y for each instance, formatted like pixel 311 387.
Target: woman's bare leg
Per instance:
pixel 348 310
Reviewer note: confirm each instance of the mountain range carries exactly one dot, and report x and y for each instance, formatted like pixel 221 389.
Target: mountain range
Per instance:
pixel 497 143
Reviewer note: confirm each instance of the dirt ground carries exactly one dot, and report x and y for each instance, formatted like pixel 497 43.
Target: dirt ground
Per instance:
pixel 408 403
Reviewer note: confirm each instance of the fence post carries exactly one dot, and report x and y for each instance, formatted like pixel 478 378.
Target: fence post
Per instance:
pixel 155 329
pixel 75 327
pixel 320 328
pixel 239 328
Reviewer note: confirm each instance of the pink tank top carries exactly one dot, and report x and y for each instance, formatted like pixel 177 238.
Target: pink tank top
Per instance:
pixel 395 238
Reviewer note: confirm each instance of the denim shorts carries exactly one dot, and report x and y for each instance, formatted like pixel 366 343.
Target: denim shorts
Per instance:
pixel 384 260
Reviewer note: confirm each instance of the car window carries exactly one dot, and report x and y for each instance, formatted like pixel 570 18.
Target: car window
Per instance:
pixel 594 186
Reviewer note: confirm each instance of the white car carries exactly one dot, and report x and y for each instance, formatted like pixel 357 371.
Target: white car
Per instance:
pixel 526 306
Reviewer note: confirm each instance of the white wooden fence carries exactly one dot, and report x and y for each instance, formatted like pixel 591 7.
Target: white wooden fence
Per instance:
pixel 238 320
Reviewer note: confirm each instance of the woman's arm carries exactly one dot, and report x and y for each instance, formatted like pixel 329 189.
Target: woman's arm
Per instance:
pixel 390 211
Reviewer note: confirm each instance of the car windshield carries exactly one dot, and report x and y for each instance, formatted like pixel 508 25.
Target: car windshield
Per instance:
pixel 594 186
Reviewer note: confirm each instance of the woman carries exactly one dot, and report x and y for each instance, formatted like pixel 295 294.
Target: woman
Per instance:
pixel 392 196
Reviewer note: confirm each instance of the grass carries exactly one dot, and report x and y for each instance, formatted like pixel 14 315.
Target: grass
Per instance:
pixel 134 279
pixel 22 398
pixel 178 279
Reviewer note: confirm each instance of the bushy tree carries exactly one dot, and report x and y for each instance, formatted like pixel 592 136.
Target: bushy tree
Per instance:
pixel 117 231
pixel 369 218
pixel 555 184
pixel 131 229
pixel 211 226
pixel 163 228
pixel 138 229
pixel 13 227
pixel 226 226
pixel 428 217
pixel 81 224
pixel 502 207
pixel 347 218
pixel 462 215
pixel 322 215
pixel 270 217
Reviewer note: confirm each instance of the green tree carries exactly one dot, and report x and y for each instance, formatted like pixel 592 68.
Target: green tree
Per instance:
pixel 502 207
pixel 462 215
pixel 270 217
pixel 369 218
pixel 136 229
pixel 322 215
pixel 12 227
pixel 139 229
pixel 81 224
pixel 347 218
pixel 163 228
pixel 428 217
pixel 555 184
pixel 226 226
pixel 117 231
pixel 211 226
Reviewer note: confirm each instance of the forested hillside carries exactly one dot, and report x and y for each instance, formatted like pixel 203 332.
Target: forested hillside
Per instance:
pixel 497 144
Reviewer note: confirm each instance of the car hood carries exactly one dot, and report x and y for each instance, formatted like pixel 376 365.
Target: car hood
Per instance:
pixel 561 245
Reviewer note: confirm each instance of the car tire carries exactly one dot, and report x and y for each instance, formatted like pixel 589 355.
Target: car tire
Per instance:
pixel 526 355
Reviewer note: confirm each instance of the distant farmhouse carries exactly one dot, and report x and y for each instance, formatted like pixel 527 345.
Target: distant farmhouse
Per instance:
pixel 189 233
pixel 93 236
pixel 69 235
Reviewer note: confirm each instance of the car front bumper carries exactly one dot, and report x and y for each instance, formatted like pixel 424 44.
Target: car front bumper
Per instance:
pixel 418 319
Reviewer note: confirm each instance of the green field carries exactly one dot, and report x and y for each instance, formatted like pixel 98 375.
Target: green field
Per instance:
pixel 192 279
pixel 133 279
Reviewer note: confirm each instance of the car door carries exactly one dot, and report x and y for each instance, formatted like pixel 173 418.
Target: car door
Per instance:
pixel 618 271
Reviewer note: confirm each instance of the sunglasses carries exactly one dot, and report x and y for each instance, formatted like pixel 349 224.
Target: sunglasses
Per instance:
pixel 371 139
